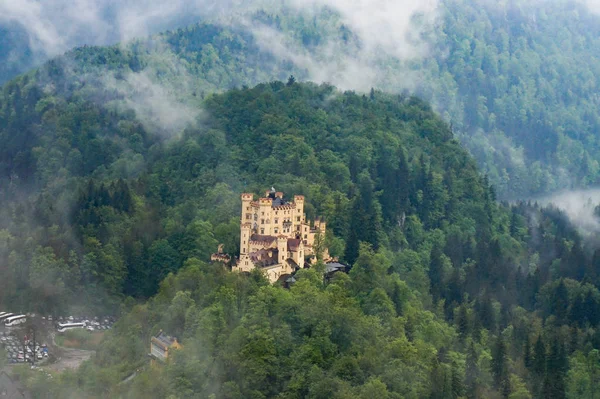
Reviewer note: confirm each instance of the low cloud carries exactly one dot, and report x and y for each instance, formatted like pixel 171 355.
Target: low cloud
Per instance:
pixel 55 26
pixel 155 106
pixel 385 26
pixel 384 37
pixel 579 206
pixel 592 5
pixel 383 29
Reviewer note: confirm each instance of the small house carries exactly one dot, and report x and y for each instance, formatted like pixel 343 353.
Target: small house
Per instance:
pixel 161 345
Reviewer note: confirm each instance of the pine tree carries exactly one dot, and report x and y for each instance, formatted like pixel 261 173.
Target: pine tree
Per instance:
pixel 486 313
pixel 539 358
pixel 556 368
pixel 463 322
pixel 365 220
pixel 352 242
pixel 527 360
pixel 456 382
pixel 561 302
pixel 499 365
pixel 436 273
pixel 471 372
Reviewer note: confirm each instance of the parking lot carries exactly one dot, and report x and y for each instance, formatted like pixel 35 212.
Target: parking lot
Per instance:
pixel 91 323
pixel 18 343
pixel 21 351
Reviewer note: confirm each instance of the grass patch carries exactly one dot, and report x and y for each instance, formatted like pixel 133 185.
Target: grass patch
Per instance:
pixel 80 339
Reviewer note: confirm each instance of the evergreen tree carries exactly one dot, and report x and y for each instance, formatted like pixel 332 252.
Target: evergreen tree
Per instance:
pixel 463 321
pixel 561 302
pixel 457 384
pixel 486 313
pixel 436 273
pixel 471 372
pixel 499 365
pixel 365 220
pixel 556 369
pixel 539 358
pixel 527 360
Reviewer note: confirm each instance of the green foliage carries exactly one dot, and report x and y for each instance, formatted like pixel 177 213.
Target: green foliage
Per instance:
pixel 445 283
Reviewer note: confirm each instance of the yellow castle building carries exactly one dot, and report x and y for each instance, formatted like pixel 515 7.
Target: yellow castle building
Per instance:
pixel 276 237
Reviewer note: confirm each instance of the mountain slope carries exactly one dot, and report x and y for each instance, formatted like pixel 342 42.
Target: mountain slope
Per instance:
pixel 523 78
pixel 447 294
pixel 516 81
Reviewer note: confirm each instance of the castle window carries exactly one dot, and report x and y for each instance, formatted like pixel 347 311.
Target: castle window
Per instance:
pixel 276 231
pixel 276 220
pixel 298 218
pixel 262 213
pixel 305 236
pixel 262 221
pixel 262 231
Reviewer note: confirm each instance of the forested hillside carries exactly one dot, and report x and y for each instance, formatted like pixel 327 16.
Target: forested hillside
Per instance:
pixel 449 295
pixel 516 80
pixel 121 169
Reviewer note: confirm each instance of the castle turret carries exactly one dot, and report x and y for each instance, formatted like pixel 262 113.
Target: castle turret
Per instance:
pixel 299 201
pixel 282 248
pixel 247 207
pixel 245 231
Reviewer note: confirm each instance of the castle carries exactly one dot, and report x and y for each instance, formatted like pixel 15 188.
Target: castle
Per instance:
pixel 276 237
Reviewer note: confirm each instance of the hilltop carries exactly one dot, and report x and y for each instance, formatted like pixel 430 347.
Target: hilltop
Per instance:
pixel 443 281
pixel 515 81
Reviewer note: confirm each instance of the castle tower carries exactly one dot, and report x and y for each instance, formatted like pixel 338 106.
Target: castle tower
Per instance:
pixel 264 216
pixel 299 202
pixel 246 230
pixel 282 248
pixel 247 208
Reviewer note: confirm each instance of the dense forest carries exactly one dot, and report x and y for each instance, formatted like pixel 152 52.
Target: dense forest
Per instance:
pixel 121 169
pixel 516 80
pixel 450 294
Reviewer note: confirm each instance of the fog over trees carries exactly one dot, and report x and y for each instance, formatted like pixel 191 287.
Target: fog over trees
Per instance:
pixel 121 169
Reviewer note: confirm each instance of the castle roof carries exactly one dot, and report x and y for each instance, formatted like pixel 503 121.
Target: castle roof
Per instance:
pixel 264 257
pixel 263 238
pixel 293 244
pixel 280 201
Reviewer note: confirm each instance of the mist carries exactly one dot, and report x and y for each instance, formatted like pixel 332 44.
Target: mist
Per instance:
pixel 53 27
pixel 579 206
